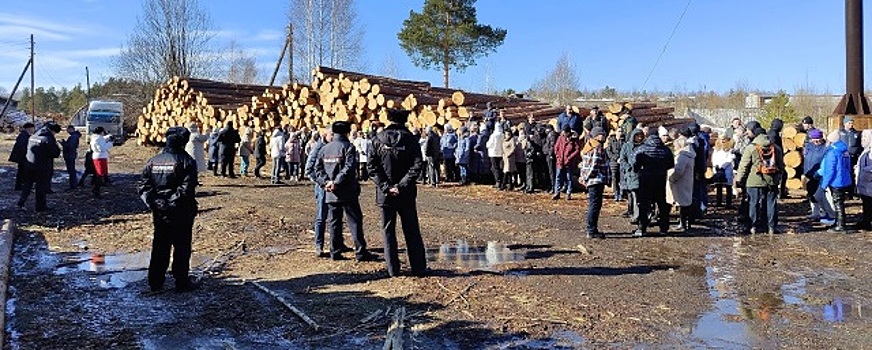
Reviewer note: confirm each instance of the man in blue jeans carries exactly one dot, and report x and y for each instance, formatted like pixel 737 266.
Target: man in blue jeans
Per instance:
pixel 320 203
pixel 759 174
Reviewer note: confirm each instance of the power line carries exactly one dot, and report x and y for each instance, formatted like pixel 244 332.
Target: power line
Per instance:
pixel 663 51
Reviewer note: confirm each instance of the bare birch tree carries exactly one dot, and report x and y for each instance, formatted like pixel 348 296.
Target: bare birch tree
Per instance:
pixel 560 85
pixel 171 38
pixel 241 65
pixel 325 33
pixel 389 67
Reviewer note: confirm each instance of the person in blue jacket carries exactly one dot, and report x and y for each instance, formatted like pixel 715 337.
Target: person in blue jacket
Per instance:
pixel 463 154
pixel 835 174
pixel 448 144
pixel 570 119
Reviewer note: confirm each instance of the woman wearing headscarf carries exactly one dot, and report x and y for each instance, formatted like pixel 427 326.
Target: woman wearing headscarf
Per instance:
pixel 680 181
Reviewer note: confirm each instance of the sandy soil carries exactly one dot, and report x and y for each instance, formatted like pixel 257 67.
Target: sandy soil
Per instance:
pixel 508 273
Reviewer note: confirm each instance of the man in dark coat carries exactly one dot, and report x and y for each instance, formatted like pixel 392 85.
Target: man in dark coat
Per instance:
pixel 774 135
pixel 433 151
pixel 42 149
pixel 394 166
pixel 548 149
pixel 613 150
pixel 652 160
pixel 260 153
pixel 596 119
pixel 19 153
pixel 227 141
pixel 71 152
pixel 850 137
pixel 700 188
pixel 571 120
pixel 629 175
pixel 336 171
pixel 168 186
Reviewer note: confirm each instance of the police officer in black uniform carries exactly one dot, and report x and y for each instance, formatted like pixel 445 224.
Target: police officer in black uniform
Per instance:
pixel 394 166
pixel 42 149
pixel 336 172
pixel 168 185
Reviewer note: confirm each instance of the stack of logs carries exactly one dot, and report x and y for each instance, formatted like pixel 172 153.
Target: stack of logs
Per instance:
pixel 336 95
pixel 792 140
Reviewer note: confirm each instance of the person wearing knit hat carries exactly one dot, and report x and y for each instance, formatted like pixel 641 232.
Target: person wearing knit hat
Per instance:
pixel 335 171
pixel 41 150
pixel 595 175
pixel 851 138
pixel 835 172
pixel 813 153
pixel 759 174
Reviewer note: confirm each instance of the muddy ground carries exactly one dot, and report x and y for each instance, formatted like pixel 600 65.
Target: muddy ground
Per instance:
pixel 508 273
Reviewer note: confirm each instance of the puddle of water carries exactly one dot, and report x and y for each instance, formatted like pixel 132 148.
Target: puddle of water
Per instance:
pixel 559 340
pixel 462 254
pixel 112 271
pixel 841 310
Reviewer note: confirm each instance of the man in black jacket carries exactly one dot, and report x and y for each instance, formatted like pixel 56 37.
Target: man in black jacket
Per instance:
pixel 42 149
pixel 71 153
pixel 227 141
pixel 167 186
pixel 548 149
pixel 259 153
pixel 336 171
pixel 774 135
pixel 19 153
pixel 394 165
pixel 652 160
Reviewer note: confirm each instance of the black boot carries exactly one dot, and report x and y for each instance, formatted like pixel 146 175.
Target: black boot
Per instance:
pixel 839 208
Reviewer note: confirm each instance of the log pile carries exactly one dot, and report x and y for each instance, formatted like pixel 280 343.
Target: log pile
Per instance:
pixel 792 141
pixel 359 98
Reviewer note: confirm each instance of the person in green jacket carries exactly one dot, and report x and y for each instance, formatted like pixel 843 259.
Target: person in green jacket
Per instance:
pixel 760 172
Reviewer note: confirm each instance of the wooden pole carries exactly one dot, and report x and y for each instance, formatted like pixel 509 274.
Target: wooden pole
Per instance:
pixel 272 79
pixel 15 89
pixel 32 81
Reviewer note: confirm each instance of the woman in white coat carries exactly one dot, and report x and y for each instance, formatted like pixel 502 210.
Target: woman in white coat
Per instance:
pixel 195 146
pixel 101 142
pixel 277 152
pixel 680 185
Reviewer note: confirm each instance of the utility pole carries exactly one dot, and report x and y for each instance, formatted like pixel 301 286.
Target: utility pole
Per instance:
pixel 32 81
pixel 290 53
pixel 272 79
pixel 88 83
pixel 854 101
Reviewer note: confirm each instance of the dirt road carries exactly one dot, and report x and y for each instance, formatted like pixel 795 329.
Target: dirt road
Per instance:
pixel 507 274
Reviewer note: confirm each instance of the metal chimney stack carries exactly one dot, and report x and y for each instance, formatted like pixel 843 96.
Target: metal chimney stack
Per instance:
pixel 854 101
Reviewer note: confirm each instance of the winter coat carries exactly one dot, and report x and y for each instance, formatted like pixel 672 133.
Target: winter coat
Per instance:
pixel 812 156
pixel 652 160
pixel 851 138
pixel 775 133
pixel 337 162
pixel 448 144
pixel 629 175
pixel 362 146
pixel 214 148
pixel 864 174
pixel 521 145
pixel 260 147
pixel 396 161
pixel 614 151
pixel 748 176
pixel 42 149
pixel 680 179
pixel 509 145
pixel 573 121
pixel 433 148
pixel 227 140
pixel 169 180
pixel 276 146
pixel 495 145
pixel 628 126
pixel 836 167
pixel 464 150
pixel 245 146
pixel 19 150
pixel 548 145
pixel 100 145
pixel 292 150
pixel 594 164
pixel 598 121
pixel 533 149
pixel 195 148
pixel 567 152
pixel 70 146
pixel 723 159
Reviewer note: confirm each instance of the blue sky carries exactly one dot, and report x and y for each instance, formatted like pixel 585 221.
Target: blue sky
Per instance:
pixel 769 44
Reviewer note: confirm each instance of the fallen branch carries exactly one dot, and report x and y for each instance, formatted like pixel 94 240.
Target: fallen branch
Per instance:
pixel 288 305
pixel 211 265
pixel 460 294
pixel 394 338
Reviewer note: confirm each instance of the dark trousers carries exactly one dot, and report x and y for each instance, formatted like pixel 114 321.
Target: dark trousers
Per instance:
pixel 260 162
pixel 362 173
pixel 41 179
pixel 616 180
pixel 531 176
pixel 355 225
pixel 449 170
pixel 497 169
pixel 594 205
pixel 551 162
pixel 633 205
pixel 227 163
pixel 174 232
pixel 840 195
pixel 433 170
pixel 866 218
pixel 521 173
pixel 412 235
pixel 507 182
pixel 70 162
pixel 762 199
pixel 699 192
pixel 19 177
pixel 719 195
pixel 654 193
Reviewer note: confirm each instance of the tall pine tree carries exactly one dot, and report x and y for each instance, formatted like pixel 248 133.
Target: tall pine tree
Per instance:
pixel 447 34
